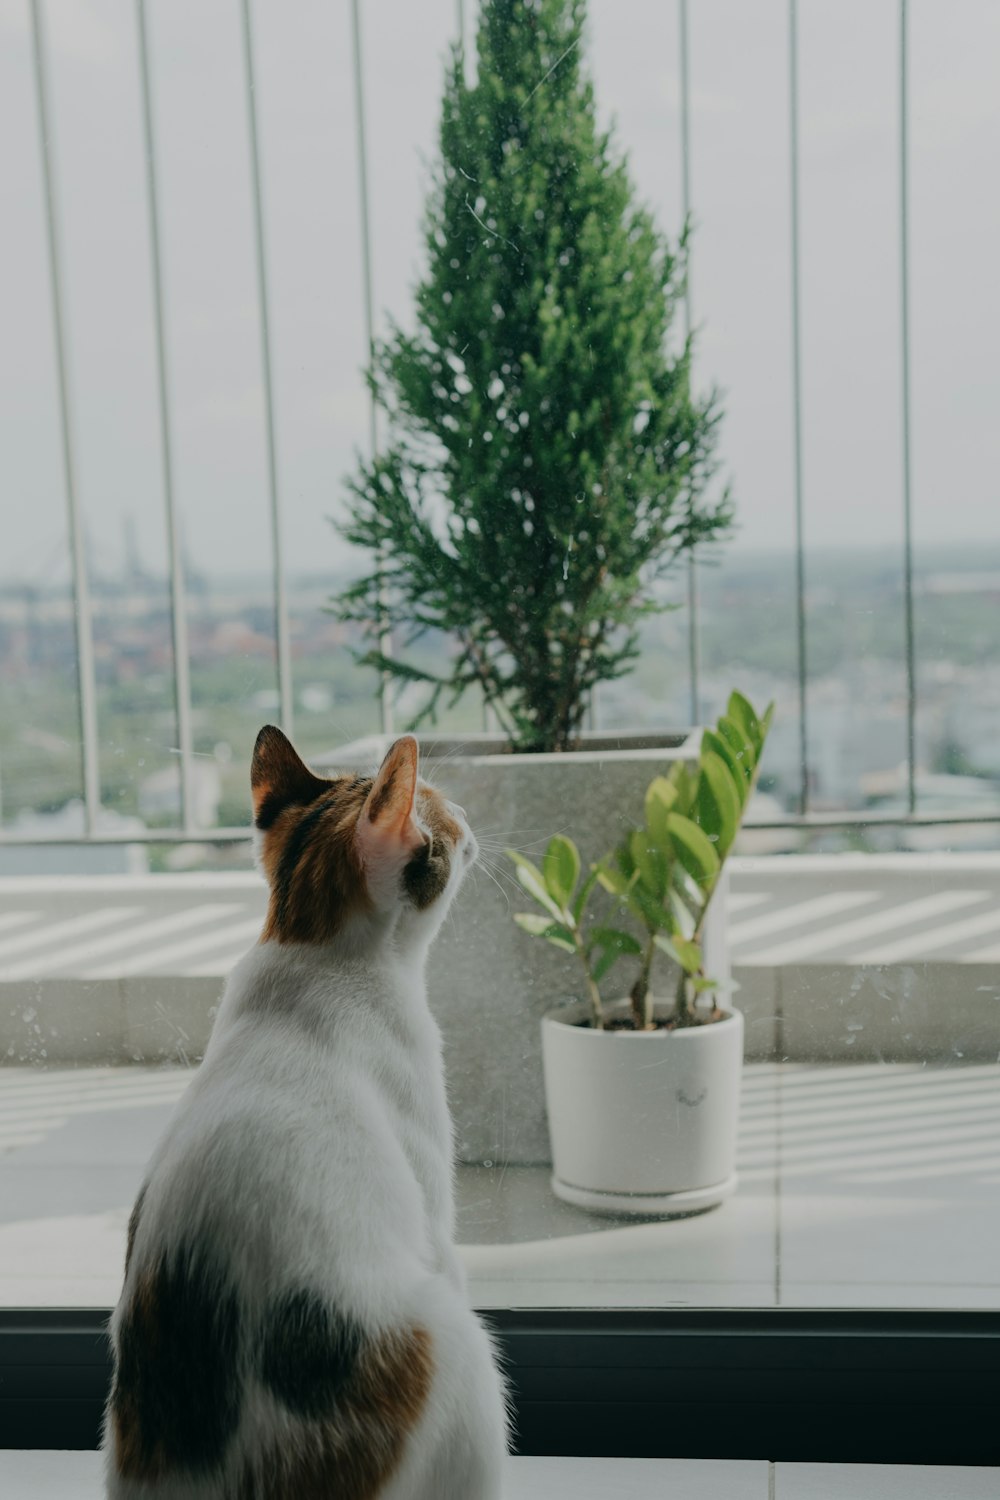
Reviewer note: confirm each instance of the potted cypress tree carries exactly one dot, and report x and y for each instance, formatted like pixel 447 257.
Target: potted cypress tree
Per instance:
pixel 547 460
pixel 643 1095
pixel 546 463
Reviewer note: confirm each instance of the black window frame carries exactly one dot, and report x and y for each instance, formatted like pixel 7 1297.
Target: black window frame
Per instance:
pixel 785 1384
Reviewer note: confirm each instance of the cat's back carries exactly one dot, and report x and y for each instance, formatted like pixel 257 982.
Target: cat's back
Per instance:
pixel 285 1149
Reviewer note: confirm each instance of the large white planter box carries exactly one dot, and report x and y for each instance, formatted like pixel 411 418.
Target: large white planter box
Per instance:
pixel 642 1122
pixel 489 982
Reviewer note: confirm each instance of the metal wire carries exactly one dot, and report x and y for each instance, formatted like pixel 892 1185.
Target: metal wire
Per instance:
pixel 82 613
pixel 800 565
pixel 385 639
pixel 904 283
pixel 694 642
pixel 281 630
pixel 178 603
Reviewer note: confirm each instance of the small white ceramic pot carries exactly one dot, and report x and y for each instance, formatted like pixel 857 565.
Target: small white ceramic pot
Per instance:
pixel 642 1122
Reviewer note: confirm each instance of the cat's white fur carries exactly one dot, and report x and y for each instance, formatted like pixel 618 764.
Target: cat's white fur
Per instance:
pixel 320 1108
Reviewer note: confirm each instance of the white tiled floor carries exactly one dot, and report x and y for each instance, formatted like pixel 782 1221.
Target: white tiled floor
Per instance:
pixel 868 1186
pixel 76 1476
pixel 879 1482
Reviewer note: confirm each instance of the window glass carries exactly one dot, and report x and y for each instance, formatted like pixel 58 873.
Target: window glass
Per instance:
pixel 186 431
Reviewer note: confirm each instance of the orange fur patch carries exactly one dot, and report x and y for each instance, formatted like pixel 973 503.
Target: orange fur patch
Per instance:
pixel 310 859
pixel 353 1452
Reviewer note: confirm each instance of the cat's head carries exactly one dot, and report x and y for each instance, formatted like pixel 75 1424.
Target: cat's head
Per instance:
pixel 351 855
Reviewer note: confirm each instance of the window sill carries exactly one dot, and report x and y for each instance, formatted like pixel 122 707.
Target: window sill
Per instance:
pixel 77 1476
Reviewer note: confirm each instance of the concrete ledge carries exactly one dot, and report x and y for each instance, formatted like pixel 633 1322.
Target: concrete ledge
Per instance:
pixel 936 1013
pixel 157 1019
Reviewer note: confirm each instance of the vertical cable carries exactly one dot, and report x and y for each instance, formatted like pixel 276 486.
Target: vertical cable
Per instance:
pixel 281 632
pixel 800 562
pixel 904 282
pixel 385 638
pixel 178 604
pixel 82 615
pixel 694 654
pixel 460 7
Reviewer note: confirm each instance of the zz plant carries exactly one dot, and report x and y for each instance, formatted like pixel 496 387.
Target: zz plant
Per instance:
pixel 661 876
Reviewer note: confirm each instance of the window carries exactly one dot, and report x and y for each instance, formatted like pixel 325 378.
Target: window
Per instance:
pixel 195 282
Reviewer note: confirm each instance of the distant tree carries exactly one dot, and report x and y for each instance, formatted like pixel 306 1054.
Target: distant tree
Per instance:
pixel 547 461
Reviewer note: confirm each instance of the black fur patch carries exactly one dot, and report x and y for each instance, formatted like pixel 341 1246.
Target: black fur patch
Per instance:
pixel 274 803
pixel 289 782
pixel 271 809
pixel 308 1353
pixel 175 1403
pixel 426 876
pixel 292 853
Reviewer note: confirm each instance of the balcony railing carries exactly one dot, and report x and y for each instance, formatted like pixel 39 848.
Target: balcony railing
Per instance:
pixel 805 817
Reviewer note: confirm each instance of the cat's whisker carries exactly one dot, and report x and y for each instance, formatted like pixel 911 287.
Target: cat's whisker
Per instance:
pixel 485 870
pixel 507 836
pixel 508 833
pixel 492 858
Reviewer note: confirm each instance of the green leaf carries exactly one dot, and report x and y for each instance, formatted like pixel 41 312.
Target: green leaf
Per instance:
pixel 651 862
pixel 613 937
pixel 683 781
pixel 661 795
pixel 530 878
pixel 583 894
pixel 615 881
pixel 648 908
pixel 741 746
pixel 553 932
pixel 717 808
pixel 614 944
pixel 694 849
pixel 561 869
pixel 684 953
pixel 690 892
pixel 683 917
pixel 607 960
pixel 742 712
pixel 765 723
pixel 721 747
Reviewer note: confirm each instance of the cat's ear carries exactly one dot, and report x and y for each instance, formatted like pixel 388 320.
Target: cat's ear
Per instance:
pixel 279 778
pixel 387 816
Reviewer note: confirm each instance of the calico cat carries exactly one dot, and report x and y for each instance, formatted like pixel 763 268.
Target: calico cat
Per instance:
pixel 293 1323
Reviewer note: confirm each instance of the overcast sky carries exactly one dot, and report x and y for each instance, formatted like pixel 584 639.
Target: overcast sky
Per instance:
pixel 740 274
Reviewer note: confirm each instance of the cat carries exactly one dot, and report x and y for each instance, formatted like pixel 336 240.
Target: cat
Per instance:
pixel 294 1321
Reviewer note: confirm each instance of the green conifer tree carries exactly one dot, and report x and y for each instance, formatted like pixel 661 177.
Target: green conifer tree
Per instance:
pixel 546 459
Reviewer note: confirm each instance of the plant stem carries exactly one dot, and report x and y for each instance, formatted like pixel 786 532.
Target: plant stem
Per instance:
pixel 642 1003
pixel 684 1009
pixel 593 993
